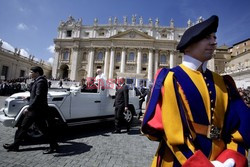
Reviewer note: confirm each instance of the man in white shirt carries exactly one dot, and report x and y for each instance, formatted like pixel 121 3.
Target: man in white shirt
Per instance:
pixel 100 79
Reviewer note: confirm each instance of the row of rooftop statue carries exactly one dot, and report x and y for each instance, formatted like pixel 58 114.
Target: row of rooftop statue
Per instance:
pixel 114 21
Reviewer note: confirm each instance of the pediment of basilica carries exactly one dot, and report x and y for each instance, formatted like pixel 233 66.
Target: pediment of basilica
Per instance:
pixel 132 34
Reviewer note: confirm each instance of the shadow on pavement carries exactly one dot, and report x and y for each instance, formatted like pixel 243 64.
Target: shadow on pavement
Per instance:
pixel 103 129
pixel 72 148
pixel 65 148
pixel 67 134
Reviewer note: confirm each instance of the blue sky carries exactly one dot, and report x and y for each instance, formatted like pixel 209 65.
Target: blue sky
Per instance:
pixel 32 24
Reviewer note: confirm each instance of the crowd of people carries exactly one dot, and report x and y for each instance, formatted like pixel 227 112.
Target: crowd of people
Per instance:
pixel 9 87
pixel 245 94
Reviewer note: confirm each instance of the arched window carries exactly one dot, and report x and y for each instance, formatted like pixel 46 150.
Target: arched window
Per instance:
pixel 118 57
pixel 131 56
pixel 163 59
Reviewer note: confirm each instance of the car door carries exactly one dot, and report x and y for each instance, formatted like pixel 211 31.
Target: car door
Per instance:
pixel 85 105
pixel 107 103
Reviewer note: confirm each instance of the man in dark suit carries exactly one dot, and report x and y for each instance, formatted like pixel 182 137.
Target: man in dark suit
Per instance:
pixel 36 112
pixel 121 104
pixel 142 93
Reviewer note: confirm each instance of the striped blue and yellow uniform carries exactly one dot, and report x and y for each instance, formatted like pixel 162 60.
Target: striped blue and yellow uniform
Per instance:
pixel 182 96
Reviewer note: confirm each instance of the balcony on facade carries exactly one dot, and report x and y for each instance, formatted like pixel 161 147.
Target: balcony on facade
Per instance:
pixel 84 62
pixel 130 62
pixel 99 61
pixel 65 61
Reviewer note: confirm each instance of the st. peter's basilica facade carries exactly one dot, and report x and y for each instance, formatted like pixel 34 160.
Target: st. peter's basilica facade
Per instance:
pixel 134 50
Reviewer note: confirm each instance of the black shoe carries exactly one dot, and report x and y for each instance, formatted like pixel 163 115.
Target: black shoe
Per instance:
pixel 117 131
pixel 128 129
pixel 52 149
pixel 11 147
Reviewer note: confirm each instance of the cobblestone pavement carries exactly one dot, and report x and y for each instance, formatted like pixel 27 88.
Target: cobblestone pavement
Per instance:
pixel 89 146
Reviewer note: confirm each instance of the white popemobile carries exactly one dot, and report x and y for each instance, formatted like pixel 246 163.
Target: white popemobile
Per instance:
pixel 71 107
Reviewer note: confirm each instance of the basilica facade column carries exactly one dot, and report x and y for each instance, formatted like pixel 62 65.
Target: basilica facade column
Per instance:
pixel 91 63
pixel 172 59
pixel 106 63
pixel 138 66
pixel 123 59
pixel 112 63
pixel 55 63
pixel 156 61
pixel 150 66
pixel 74 64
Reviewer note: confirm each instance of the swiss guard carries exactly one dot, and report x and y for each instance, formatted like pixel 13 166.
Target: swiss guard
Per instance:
pixel 198 116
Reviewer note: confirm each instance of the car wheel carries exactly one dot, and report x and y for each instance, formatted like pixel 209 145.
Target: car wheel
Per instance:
pixel 34 131
pixel 128 116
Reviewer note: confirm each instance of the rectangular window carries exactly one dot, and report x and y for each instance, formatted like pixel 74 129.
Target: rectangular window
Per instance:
pixel 22 73
pixel 69 33
pixel 163 59
pixel 164 35
pixel 65 55
pixel 5 71
pixel 144 58
pixel 99 56
pixel 86 34
pixel 118 57
pixel 84 56
pixel 101 34
pixel 117 67
pixel 131 57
